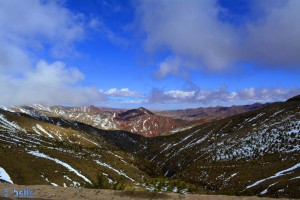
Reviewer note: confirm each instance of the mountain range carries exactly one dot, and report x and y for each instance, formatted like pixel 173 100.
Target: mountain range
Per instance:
pixel 140 121
pixel 238 150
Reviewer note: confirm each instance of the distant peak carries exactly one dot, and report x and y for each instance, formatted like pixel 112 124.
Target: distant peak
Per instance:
pixel 135 113
pixel 257 104
pixel 146 111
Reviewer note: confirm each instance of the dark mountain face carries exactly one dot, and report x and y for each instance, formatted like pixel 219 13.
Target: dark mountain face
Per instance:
pixel 134 113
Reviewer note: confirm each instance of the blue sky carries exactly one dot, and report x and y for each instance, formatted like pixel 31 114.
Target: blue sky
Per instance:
pixel 160 54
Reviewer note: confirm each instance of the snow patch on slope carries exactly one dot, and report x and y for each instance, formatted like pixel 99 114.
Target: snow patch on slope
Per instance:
pixel 4 176
pixel 43 130
pixel 41 155
pixel 115 170
pixel 281 173
pixel 10 126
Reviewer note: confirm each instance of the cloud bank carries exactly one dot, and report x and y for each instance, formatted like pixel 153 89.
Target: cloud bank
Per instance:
pixel 206 97
pixel 193 30
pixel 29 29
pixel 48 84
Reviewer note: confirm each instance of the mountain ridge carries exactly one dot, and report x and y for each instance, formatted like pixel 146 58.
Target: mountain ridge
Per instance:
pixel 140 121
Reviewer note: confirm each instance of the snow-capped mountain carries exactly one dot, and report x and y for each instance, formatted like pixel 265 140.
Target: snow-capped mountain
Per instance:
pixel 140 121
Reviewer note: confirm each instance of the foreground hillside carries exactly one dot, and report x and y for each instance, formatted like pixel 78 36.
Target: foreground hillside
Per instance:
pixel 42 150
pixel 254 153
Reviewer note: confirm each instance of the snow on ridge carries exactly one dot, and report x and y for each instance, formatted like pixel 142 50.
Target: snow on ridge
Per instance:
pixel 35 130
pixel 233 175
pixel 41 155
pixel 253 118
pixel 171 145
pixel 91 142
pixel 281 173
pixel 12 126
pixel 41 107
pixel 43 130
pixel 4 176
pixel 115 170
pixel 74 183
pixel 176 130
pixel 24 111
pixel 54 184
pixel 276 113
pixel 266 190
pixel 6 109
pixel 298 177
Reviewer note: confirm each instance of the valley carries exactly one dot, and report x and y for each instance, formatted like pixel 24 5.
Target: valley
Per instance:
pixel 253 152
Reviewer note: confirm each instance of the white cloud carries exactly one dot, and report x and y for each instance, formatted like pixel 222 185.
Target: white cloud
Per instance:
pixel 179 94
pixel 248 93
pixel 192 30
pixel 27 27
pixel 267 94
pixel 274 38
pixel 123 92
pixel 221 96
pixel 34 18
pixel 32 28
pixel 12 58
pixel 188 28
pixel 169 66
pixel 47 83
